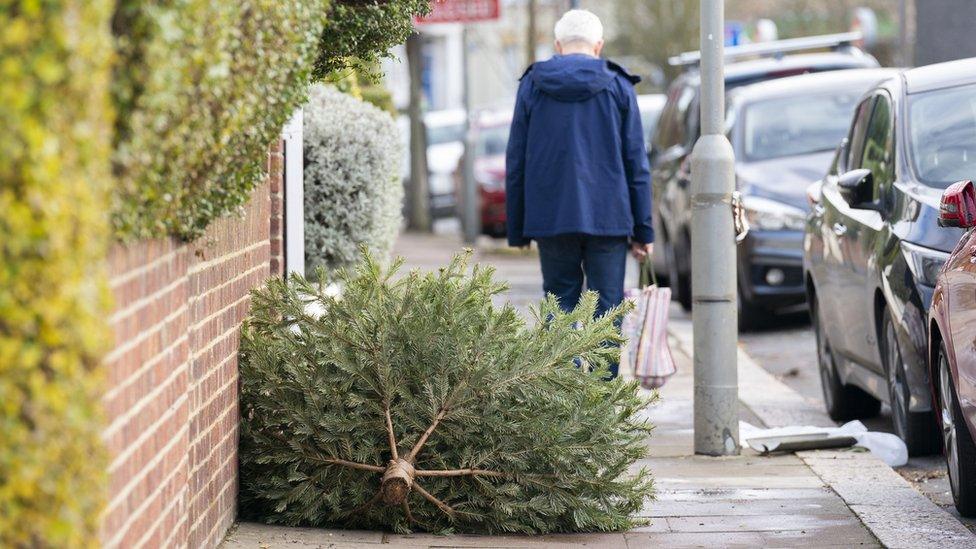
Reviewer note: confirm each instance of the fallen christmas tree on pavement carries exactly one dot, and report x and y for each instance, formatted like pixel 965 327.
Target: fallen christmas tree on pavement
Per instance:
pixel 414 403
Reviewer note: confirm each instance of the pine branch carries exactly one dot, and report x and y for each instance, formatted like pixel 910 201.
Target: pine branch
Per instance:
pixel 447 509
pixel 389 431
pixel 423 438
pixel 354 465
pixel 461 473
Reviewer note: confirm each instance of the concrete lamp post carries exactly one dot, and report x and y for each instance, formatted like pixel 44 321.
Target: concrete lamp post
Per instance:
pixel 714 316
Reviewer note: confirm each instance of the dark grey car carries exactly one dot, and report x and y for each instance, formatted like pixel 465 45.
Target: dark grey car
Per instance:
pixel 784 133
pixel 873 247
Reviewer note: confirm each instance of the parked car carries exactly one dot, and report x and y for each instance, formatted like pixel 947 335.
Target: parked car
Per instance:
pixel 952 361
pixel 651 105
pixel 873 248
pixel 445 146
pixel 784 133
pixel 678 130
pixel 490 141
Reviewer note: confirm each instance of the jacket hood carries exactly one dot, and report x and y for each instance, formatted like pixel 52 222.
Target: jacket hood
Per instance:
pixel 572 77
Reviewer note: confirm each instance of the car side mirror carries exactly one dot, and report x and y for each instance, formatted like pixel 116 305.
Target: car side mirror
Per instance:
pixel 857 189
pixel 958 206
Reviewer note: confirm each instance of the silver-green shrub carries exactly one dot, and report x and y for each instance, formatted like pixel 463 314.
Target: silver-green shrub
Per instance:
pixel 353 193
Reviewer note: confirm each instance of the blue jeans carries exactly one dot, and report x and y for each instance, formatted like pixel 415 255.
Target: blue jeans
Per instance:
pixel 569 260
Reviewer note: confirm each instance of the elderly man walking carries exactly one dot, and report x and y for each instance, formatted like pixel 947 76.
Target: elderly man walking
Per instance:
pixel 577 180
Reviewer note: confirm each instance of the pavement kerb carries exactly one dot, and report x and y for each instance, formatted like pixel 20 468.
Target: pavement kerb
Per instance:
pixel 887 505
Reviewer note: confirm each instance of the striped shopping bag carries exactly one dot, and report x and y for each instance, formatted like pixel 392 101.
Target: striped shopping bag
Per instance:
pixel 646 328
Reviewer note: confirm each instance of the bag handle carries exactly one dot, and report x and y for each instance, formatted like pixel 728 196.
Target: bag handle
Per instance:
pixel 647 275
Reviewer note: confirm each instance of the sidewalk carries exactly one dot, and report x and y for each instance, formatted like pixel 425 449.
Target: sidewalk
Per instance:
pixel 815 499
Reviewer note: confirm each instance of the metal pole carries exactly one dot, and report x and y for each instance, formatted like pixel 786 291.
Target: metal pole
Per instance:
pixel 714 316
pixel 469 192
pixel 419 195
pixel 530 32
pixel 905 55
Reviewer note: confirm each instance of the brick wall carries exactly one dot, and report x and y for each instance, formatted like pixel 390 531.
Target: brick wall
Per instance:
pixel 171 403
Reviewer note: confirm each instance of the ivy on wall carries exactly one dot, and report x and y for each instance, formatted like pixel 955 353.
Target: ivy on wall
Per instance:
pixel 54 180
pixel 202 88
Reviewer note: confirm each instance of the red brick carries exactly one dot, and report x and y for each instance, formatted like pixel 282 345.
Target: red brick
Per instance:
pixel 171 397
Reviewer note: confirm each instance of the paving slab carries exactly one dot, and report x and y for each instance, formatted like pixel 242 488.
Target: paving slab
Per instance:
pixel 593 541
pixel 254 535
pixel 736 507
pixel 639 540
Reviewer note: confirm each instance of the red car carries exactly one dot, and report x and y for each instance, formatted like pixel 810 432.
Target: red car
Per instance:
pixel 952 347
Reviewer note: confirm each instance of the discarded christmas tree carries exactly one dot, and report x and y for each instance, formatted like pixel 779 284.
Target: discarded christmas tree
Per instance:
pixel 414 403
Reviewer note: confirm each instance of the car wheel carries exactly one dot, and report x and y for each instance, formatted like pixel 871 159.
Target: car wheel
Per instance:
pixel 680 282
pixel 957 442
pixel 843 402
pixel 917 429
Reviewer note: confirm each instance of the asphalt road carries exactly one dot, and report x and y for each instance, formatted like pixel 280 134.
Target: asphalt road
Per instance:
pixel 787 349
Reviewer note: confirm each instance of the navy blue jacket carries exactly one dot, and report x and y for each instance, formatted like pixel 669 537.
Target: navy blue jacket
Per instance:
pixel 576 161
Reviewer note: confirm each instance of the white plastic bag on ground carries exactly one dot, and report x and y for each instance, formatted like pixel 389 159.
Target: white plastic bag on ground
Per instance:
pixel 885 446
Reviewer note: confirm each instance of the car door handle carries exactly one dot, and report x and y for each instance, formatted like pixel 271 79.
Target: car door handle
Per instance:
pixel 839 229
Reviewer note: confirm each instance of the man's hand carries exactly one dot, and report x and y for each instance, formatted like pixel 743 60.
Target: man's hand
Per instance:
pixel 641 251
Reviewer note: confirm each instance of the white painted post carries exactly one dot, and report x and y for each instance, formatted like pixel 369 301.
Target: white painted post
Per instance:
pixel 294 165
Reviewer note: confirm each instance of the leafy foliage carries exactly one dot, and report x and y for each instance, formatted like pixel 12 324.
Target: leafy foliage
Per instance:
pixel 54 181
pixel 361 32
pixel 474 421
pixel 202 88
pixel 353 192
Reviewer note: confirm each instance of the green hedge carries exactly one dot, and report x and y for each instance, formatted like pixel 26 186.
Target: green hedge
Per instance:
pixel 359 33
pixel 202 88
pixel 54 180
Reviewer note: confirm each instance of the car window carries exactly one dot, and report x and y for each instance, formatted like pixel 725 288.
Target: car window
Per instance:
pixel 493 140
pixel 943 135
pixel 438 135
pixel 855 138
pixel 878 141
pixel 800 124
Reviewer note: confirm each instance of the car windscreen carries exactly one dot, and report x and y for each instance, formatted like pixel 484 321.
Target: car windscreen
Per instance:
pixel 492 140
pixel 942 131
pixel 796 125
pixel 437 135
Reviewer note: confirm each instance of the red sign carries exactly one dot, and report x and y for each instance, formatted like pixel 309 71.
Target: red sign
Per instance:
pixel 461 11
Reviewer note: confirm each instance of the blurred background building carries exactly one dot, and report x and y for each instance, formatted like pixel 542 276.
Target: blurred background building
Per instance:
pixel 944 30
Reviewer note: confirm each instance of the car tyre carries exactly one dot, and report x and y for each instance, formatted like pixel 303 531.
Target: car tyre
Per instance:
pixel 957 442
pixel 917 429
pixel 680 282
pixel 843 402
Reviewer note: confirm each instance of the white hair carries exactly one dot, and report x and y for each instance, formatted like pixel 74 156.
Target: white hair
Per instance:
pixel 579 26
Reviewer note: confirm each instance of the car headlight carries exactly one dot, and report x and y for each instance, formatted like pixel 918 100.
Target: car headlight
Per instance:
pixel 925 263
pixel 769 215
